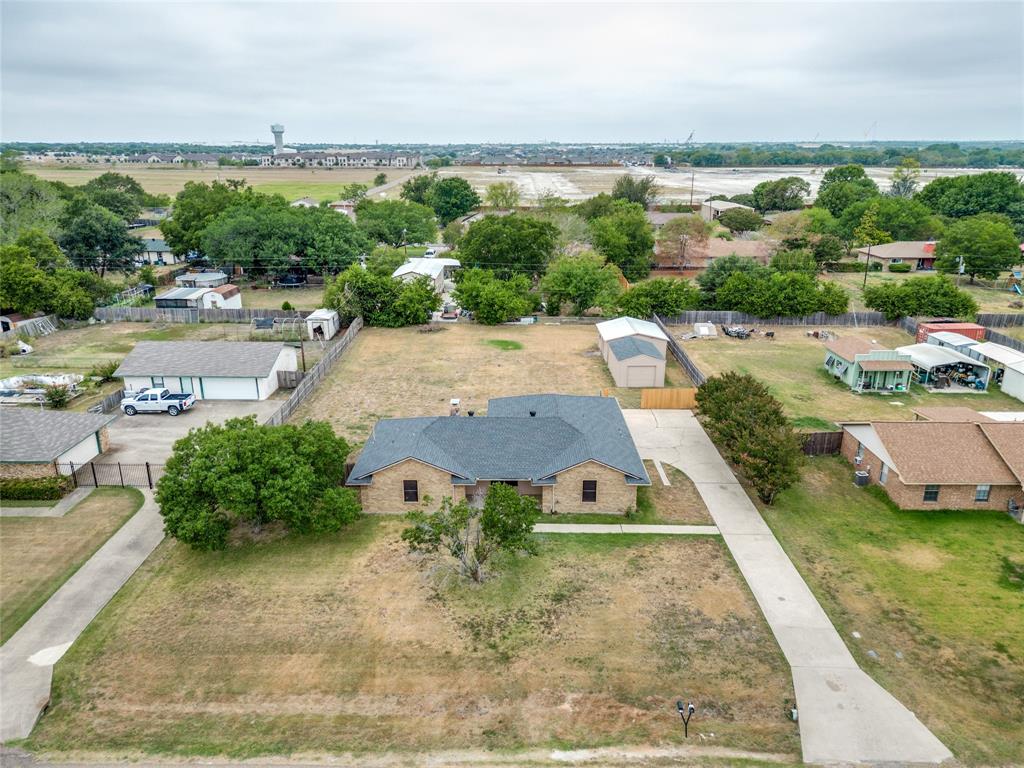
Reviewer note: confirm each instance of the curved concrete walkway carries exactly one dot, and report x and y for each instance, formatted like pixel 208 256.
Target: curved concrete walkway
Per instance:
pixel 845 716
pixel 27 658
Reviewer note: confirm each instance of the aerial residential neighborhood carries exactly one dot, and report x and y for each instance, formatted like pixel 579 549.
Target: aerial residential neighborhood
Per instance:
pixel 597 384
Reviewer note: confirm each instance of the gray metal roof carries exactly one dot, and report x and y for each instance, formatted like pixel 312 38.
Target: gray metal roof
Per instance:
pixel 631 346
pixel 182 293
pixel 31 436
pixel 155 244
pixel 508 443
pixel 232 359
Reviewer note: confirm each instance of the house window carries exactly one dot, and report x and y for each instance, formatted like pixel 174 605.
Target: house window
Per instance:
pixel 895 261
pixel 931 493
pixel 981 493
pixel 883 475
pixel 411 491
pixel 590 490
pixel 860 453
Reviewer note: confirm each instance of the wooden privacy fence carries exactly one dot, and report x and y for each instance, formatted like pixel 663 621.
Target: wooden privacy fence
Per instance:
pixel 1002 338
pixel 315 375
pixel 720 317
pixel 152 314
pixel 692 370
pixel 669 397
pixel 821 443
pixel 108 403
pixel 1001 319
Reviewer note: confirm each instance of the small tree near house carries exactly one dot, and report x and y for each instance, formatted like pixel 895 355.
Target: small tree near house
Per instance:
pixel 474 536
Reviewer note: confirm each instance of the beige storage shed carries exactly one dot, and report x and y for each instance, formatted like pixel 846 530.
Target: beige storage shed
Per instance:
pixel 636 362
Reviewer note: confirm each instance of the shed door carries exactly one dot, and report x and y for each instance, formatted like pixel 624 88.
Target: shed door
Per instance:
pixel 641 376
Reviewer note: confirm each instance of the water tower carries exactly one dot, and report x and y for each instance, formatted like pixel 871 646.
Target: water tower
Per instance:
pixel 278 130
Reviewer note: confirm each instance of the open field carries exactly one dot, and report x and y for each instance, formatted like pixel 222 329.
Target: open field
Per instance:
pixel 38 554
pixel 939 596
pixel 404 372
pixel 293 183
pixel 299 298
pixel 792 365
pixel 1016 331
pixel 348 643
pixel 989 299
pixel 572 183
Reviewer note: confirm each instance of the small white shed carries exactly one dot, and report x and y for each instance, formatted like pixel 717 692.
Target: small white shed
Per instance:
pixel 621 327
pixel 323 323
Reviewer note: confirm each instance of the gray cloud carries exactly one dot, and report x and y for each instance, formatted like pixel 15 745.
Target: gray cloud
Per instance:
pixel 491 72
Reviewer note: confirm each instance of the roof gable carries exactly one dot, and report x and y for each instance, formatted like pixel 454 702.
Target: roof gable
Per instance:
pixel 633 346
pixel 30 436
pixel 945 453
pixel 229 359
pixel 629 326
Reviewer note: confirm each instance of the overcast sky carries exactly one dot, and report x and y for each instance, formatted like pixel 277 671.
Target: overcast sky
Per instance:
pixel 222 72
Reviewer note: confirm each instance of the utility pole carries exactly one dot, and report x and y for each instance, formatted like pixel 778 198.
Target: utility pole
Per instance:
pixel 691 188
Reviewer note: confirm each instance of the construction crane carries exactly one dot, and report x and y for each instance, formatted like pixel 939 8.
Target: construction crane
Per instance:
pixel 689 138
pixel 870 129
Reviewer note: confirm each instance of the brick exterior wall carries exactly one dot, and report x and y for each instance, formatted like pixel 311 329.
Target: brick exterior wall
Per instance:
pixel 912 496
pixel 565 497
pixel 385 495
pixel 26 471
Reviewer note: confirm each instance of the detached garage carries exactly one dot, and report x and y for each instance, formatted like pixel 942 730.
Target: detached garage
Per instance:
pixel 211 370
pixel 636 362
pixel 634 351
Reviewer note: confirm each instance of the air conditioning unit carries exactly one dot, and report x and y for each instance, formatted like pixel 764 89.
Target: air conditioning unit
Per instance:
pixel 860 477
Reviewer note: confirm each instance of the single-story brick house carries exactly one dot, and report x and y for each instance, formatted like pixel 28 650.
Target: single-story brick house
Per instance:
pixel 919 254
pixel 211 370
pixel 956 464
pixel 44 443
pixel 571 453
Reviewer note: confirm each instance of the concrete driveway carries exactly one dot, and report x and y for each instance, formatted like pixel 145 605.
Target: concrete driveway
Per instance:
pixel 151 436
pixel 845 716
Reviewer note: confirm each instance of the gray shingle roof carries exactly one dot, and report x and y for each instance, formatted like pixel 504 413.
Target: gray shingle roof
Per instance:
pixel 631 346
pixel 30 436
pixel 233 359
pixel 156 245
pixel 508 443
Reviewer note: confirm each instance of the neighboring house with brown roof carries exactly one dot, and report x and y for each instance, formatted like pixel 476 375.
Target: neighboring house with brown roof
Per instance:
pixel 950 413
pixel 941 464
pixel 919 254
pixel 864 366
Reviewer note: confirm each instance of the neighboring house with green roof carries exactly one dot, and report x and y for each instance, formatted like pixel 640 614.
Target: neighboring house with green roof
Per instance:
pixel 572 454
pixel 156 252
pixel 865 367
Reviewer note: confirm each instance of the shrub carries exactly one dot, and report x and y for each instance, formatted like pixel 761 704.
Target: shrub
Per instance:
pixel 935 296
pixel 660 295
pixel 35 488
pixel 899 267
pixel 57 396
pixel 750 428
pixel 104 371
pixel 287 306
pixel 844 266
pixel 740 220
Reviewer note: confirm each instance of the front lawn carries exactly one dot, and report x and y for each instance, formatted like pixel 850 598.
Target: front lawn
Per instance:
pixel 38 554
pixel 939 596
pixel 348 643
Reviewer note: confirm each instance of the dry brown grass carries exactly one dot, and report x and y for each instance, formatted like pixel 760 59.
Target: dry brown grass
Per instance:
pixel 171 180
pixel 402 372
pixel 38 554
pixel 349 642
pixel 679 502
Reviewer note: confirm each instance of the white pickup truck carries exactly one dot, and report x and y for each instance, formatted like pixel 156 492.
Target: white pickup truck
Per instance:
pixel 156 401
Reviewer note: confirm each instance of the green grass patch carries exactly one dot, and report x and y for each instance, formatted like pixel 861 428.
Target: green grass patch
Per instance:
pixel 936 594
pixel 504 344
pixel 28 502
pixel 813 423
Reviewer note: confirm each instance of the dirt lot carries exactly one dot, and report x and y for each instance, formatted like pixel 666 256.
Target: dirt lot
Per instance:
pixel 938 596
pixel 293 183
pixel 38 554
pixel 792 365
pixel 349 643
pixel 402 372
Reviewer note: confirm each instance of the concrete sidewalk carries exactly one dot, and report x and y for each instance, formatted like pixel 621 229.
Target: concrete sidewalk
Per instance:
pixel 665 530
pixel 845 716
pixel 27 658
pixel 57 510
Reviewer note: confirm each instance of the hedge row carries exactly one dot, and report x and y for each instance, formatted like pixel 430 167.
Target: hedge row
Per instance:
pixel 851 266
pixel 35 488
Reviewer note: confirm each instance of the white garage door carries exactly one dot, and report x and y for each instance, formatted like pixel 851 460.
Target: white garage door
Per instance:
pixel 229 389
pixel 641 375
